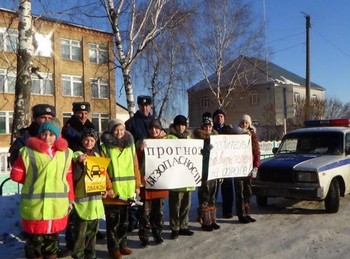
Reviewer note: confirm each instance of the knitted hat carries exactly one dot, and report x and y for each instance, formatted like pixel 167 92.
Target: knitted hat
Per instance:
pixel 247 118
pixel 114 123
pixel 180 120
pixel 155 123
pixel 144 100
pixel 43 109
pixel 53 125
pixel 81 106
pixel 206 115
pixel 89 132
pixel 207 121
pixel 219 111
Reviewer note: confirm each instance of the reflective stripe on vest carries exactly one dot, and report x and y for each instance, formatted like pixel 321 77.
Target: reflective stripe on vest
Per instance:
pixel 45 191
pixel 121 170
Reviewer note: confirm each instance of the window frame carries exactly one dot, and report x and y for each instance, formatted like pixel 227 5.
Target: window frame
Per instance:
pixel 205 102
pixel 47 77
pixel 98 50
pixel 71 46
pixel 6 34
pixel 254 98
pixel 100 82
pixel 73 79
pixel 100 117
pixel 8 115
pixel 7 74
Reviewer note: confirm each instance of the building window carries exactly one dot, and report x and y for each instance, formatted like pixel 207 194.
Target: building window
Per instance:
pixel 7 81
pixel 99 88
pixel 6 120
pixel 98 54
pixel 72 85
pixel 205 101
pixel 254 98
pixel 42 86
pixel 296 97
pixel 43 45
pixel 314 98
pixel 71 49
pixel 8 39
pixel 66 117
pixel 255 122
pixel 100 121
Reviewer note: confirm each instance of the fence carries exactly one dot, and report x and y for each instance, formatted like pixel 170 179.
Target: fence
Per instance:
pixel 7 186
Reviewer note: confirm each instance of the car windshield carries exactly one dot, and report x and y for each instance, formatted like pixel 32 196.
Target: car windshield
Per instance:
pixel 330 143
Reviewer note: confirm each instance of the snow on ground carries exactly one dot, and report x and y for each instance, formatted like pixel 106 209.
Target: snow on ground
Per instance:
pixel 284 229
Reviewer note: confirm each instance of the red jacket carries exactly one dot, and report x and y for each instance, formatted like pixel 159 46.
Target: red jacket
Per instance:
pixel 18 174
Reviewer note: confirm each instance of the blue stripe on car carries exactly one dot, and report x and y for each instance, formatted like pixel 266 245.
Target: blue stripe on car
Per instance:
pixel 334 165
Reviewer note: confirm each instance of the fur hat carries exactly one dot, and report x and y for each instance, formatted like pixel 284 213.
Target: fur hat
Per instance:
pixel 114 123
pixel 180 120
pixel 81 106
pixel 42 109
pixel 53 125
pixel 89 132
pixel 219 111
pixel 144 100
pixel 246 118
pixel 155 123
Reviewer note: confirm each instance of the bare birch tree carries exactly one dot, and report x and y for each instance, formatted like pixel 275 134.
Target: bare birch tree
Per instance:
pixel 134 27
pixel 21 115
pixel 223 31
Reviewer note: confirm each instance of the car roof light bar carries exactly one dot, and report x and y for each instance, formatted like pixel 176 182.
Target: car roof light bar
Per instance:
pixel 327 123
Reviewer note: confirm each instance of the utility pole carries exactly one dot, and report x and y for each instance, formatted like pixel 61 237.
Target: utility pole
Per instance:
pixel 307 80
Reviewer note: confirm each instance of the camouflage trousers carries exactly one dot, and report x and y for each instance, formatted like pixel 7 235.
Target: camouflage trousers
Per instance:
pixel 243 194
pixel 38 246
pixel 84 238
pixel 207 193
pixel 151 217
pixel 116 226
pixel 179 209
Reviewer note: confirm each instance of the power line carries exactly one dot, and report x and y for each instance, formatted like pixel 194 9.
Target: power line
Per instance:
pixel 287 37
pixel 332 43
pixel 288 48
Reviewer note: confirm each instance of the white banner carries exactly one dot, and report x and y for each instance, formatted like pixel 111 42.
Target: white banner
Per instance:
pixel 231 156
pixel 173 163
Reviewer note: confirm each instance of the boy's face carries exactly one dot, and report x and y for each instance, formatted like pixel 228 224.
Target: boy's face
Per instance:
pixel 88 142
pixel 119 131
pixel 180 128
pixel 244 124
pixel 154 132
pixel 48 136
pixel 208 128
pixel 219 119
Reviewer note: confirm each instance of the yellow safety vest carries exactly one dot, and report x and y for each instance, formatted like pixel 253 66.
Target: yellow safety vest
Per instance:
pixel 45 191
pixel 121 170
pixel 88 207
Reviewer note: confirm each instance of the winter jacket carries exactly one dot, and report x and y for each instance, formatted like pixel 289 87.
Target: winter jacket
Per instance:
pixel 148 194
pixel 223 129
pixel 137 125
pixel 20 170
pixel 125 144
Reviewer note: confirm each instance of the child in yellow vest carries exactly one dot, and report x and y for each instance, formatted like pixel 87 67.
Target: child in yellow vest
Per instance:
pixel 88 208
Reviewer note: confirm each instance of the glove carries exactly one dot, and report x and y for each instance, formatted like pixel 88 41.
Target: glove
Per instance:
pixel 253 173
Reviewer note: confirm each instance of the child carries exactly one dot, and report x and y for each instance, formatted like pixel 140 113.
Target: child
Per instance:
pixel 243 185
pixel 151 213
pixel 123 180
pixel 44 169
pixel 207 191
pixel 179 199
pixel 87 208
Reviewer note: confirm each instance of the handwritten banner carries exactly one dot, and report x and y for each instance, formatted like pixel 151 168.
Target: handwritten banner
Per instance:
pixel 231 156
pixel 173 163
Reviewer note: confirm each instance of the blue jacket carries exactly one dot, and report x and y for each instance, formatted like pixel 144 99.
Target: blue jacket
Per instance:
pixel 137 125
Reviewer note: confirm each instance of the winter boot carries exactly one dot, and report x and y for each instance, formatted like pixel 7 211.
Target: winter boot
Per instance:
pixel 212 211
pixel 206 225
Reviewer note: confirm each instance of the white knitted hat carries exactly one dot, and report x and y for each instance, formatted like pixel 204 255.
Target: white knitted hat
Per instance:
pixel 247 118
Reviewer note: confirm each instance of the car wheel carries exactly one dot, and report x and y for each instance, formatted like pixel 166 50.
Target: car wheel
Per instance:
pixel 261 200
pixel 332 200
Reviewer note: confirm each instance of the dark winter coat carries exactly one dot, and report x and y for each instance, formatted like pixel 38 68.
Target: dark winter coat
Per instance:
pixel 137 125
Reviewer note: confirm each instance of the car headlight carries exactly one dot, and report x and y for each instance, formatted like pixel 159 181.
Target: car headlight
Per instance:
pixel 306 177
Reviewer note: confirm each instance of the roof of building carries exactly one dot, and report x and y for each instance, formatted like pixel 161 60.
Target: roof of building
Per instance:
pixel 255 71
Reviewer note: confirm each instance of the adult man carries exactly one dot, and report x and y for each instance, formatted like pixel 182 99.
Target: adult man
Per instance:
pixel 72 132
pixel 137 126
pixel 40 114
pixel 227 184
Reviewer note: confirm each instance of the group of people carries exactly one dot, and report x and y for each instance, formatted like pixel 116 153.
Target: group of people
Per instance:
pixel 50 161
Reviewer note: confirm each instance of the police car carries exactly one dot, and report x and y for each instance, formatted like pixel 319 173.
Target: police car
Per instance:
pixel 312 163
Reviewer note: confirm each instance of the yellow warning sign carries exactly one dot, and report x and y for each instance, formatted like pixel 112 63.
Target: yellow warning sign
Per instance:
pixel 95 174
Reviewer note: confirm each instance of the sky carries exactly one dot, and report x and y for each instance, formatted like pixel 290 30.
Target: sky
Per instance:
pixel 286 40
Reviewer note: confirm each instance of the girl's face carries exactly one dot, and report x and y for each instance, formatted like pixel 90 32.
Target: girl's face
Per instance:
pixel 154 132
pixel 48 136
pixel 208 128
pixel 180 128
pixel 88 142
pixel 119 131
pixel 244 124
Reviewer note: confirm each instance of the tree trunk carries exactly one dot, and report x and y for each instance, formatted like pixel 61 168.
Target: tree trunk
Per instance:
pixel 21 115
